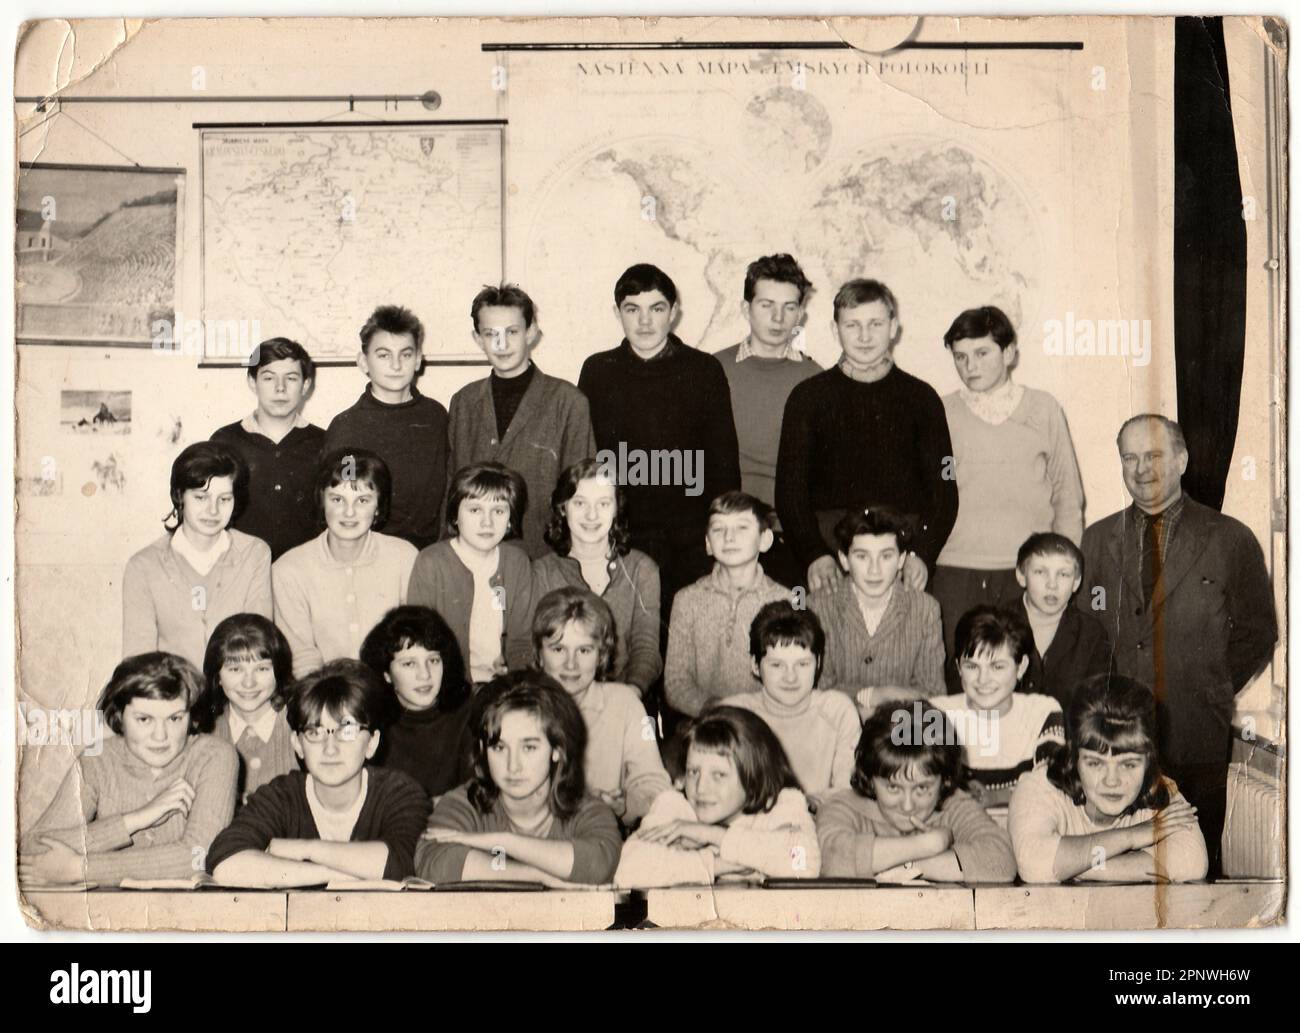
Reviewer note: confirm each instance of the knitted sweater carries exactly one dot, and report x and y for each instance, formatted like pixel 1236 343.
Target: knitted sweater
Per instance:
pixel 819 736
pixel 622 748
pixel 281 508
pixel 780 843
pixel 848 826
pixel 260 760
pixel 847 444
pixel 1000 748
pixel 394 812
pixel 411 437
pixel 162 607
pixel 441 581
pixel 708 639
pixel 550 431
pixel 88 812
pixel 1015 479
pixel 431 746
pixel 759 390
pixel 906 650
pixel 1041 816
pixel 678 401
pixel 633 597
pixel 593 830
pixel 326 606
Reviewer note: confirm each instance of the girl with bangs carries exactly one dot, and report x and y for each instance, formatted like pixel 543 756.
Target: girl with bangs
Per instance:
pixel 908 815
pixel 1102 810
pixel 740 812
pixel 248 668
pixel 479 582
pixel 589 532
pixel 525 815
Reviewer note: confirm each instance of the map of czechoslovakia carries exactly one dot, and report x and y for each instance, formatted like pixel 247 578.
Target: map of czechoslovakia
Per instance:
pixel 307 230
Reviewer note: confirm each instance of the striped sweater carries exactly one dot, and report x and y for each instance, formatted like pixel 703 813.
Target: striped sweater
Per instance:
pixel 906 651
pixel 88 812
pixel 1000 749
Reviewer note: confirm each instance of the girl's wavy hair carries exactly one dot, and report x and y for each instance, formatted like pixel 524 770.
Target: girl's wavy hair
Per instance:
pixel 562 723
pixel 243 636
pixel 195 467
pixel 1110 714
pixel 558 607
pixel 760 759
pixel 557 528
pixel 154 675
pixel 406 626
pixel 894 739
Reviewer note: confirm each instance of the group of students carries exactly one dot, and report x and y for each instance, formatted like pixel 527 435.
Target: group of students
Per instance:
pixel 451 681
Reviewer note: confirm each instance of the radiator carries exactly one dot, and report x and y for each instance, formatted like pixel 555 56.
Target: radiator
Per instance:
pixel 1253 832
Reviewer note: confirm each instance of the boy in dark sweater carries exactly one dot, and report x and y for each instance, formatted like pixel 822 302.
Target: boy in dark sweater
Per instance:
pixel 762 370
pixel 340 819
pixel 279 446
pixel 661 412
pixel 400 425
pixel 536 425
pixel 865 433
pixel 1069 644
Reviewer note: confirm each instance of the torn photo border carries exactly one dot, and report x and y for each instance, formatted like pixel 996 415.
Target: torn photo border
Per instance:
pixel 1027 164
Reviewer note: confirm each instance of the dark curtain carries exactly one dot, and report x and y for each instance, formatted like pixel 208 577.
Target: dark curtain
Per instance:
pixel 1209 257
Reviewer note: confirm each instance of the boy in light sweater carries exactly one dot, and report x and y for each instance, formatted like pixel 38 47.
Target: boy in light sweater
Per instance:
pixel 818 729
pixel 708 635
pixel 1015 466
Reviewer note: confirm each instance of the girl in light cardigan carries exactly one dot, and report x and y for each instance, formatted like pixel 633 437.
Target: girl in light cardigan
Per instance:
pixel 151 801
pixel 741 811
pixel 573 637
pixel 175 591
pixel 1101 810
pixel 330 591
pixel 481 584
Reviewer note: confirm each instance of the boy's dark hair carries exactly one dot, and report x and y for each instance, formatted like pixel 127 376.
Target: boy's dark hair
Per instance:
pixel 393 319
pixel 277 348
pixel 365 467
pixel 508 295
pixel 735 501
pixel 344 688
pixel 782 268
pixel 864 292
pixel 196 466
pixel 643 277
pixel 1049 543
pixel 244 635
pixel 560 606
pixel 561 721
pixel 151 676
pixel 406 626
pixel 981 322
pixel 1110 713
pixel 557 534
pixel 780 624
pixel 873 520
pixel 753 747
pixel 988 627
pixel 487 481
pixel 895 738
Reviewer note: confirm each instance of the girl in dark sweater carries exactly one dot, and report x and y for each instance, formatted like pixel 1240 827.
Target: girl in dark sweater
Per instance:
pixel 425 734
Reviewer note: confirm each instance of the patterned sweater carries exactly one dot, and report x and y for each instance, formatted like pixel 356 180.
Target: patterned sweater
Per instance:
pixel 1001 748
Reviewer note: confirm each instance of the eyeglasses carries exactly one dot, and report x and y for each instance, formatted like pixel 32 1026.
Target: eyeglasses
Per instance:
pixel 346 732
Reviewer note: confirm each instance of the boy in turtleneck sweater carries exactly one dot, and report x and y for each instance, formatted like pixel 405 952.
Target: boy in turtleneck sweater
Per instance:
pixel 392 419
pixel 655 393
pixel 864 434
pixel 1015 465
pixel 518 416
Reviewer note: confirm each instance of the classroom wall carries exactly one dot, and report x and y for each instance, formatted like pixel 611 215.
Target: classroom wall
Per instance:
pixel 1086 169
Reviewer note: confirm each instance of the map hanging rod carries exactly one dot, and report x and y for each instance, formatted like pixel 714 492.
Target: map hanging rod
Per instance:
pixel 786 45
pixel 430 99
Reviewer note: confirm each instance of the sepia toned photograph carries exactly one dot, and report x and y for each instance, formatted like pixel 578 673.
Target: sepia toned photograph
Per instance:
pixel 712 475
